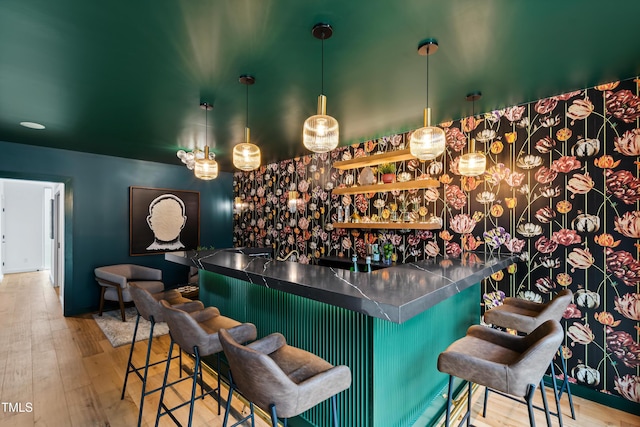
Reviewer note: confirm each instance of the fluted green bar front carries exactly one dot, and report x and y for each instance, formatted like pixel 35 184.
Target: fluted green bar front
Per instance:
pixel 393 366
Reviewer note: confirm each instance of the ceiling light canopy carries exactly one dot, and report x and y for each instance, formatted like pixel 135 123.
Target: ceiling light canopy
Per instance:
pixel 428 142
pixel 206 168
pixel 246 156
pixel 320 132
pixel 472 163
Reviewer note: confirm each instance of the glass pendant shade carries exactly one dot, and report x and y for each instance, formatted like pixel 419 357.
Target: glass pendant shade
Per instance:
pixel 428 142
pixel 472 164
pixel 246 156
pixel 206 168
pixel 320 133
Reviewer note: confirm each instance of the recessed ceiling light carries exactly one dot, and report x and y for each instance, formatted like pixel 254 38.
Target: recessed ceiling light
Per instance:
pixel 32 125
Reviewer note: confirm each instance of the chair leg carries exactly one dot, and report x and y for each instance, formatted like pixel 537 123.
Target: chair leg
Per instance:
pixel 484 405
pixel 121 301
pixel 274 416
pixel 103 289
pixel 129 365
pixel 146 369
pixel 565 384
pixel 449 399
pixel 194 386
pixel 529 399
pixel 229 397
pixel 545 404
pixel 334 411
pixel 164 383
pixel 556 395
pixel 469 405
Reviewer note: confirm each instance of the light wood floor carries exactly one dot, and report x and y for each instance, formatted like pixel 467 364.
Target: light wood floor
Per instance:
pixel 69 373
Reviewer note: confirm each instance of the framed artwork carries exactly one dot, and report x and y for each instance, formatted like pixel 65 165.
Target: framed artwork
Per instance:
pixel 162 220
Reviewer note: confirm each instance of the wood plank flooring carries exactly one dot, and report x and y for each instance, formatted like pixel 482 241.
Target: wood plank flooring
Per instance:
pixel 69 373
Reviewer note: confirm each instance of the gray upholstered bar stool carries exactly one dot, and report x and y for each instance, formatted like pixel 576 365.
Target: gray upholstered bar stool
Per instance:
pixel 524 316
pixel 282 380
pixel 510 364
pixel 197 334
pixel 149 308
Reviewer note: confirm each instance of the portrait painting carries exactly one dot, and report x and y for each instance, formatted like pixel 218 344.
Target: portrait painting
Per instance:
pixel 163 220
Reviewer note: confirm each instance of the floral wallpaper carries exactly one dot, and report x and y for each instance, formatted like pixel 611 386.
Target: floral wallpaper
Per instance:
pixel 561 189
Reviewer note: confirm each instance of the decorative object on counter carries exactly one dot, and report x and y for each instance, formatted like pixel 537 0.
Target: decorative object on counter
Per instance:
pixel 206 168
pixel 472 163
pixel 387 249
pixel 366 176
pixel 246 156
pixel 367 260
pixel 428 142
pixel 320 132
pixel 388 171
pixel 375 252
pixel 354 261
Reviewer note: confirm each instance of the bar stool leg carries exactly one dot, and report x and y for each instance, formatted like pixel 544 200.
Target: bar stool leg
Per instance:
pixel 229 397
pixel 469 405
pixel 556 394
pixel 529 399
pixel 449 398
pixel 274 416
pixel 545 404
pixel 146 369
pixel 164 385
pixel 194 386
pixel 566 384
pixel 334 411
pixel 484 405
pixel 129 365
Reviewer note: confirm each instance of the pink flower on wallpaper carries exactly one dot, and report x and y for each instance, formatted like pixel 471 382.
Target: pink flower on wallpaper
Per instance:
pixel 454 166
pixel 470 243
pixel 580 258
pixel 628 224
pixel 346 243
pixel 545 284
pixel 545 105
pixel 572 312
pixel 624 347
pixel 580 184
pixel 568 95
pixel 431 249
pixel 545 246
pixel 580 109
pixel 514 245
pixel 623 105
pixel 453 249
pixel 566 237
pixel 303 223
pixel 456 140
pixel 628 387
pixel 580 334
pixel 628 305
pixel 496 173
pixel 545 145
pixel 431 195
pixel 513 114
pixel 469 123
pixel 462 224
pixel 628 144
pixel 362 203
pixel 624 185
pixel 514 179
pixel 303 186
pixel 455 197
pixel 413 240
pixel 545 175
pixel 566 164
pixel 545 215
pixel 624 266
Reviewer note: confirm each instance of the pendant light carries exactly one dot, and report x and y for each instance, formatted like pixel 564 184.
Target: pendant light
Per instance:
pixel 206 168
pixel 320 132
pixel 472 163
pixel 246 156
pixel 428 142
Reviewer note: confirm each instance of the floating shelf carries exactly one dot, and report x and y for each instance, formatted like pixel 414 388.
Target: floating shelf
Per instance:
pixel 381 188
pixel 374 159
pixel 389 225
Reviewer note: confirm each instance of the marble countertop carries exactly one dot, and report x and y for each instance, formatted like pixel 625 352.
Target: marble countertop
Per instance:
pixel 396 293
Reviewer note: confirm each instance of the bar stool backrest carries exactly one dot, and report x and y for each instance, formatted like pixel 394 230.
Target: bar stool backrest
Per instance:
pixel 187 333
pixel 146 304
pixel 555 308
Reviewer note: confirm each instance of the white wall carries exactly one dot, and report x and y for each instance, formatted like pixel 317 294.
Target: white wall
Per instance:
pixel 24 226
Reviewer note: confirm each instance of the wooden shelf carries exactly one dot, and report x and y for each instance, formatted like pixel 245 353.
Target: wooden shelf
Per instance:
pixel 389 225
pixel 375 159
pixel 381 188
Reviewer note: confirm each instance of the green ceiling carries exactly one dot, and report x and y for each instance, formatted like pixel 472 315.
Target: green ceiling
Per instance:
pixel 125 78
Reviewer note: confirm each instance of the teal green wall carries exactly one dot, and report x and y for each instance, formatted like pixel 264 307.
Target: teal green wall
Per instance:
pixel 97 210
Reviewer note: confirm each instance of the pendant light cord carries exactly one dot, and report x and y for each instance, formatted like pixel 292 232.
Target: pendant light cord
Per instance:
pixel 427 76
pixel 247 122
pixel 322 68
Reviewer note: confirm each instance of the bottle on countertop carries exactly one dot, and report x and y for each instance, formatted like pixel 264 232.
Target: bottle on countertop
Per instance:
pixel 354 259
pixel 376 253
pixel 368 261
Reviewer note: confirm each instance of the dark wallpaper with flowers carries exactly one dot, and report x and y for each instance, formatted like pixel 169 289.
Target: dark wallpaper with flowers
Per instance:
pixel 562 190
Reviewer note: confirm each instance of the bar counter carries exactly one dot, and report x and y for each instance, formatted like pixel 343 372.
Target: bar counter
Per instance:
pixel 388 326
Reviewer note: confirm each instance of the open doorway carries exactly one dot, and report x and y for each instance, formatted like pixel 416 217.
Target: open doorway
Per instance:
pixel 32 228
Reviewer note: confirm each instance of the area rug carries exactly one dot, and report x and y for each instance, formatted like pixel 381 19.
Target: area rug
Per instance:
pixel 119 333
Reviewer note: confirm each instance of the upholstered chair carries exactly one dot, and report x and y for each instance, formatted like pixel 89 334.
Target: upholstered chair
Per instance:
pixel 525 316
pixel 115 279
pixel 197 334
pixel 282 380
pixel 149 308
pixel 513 365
